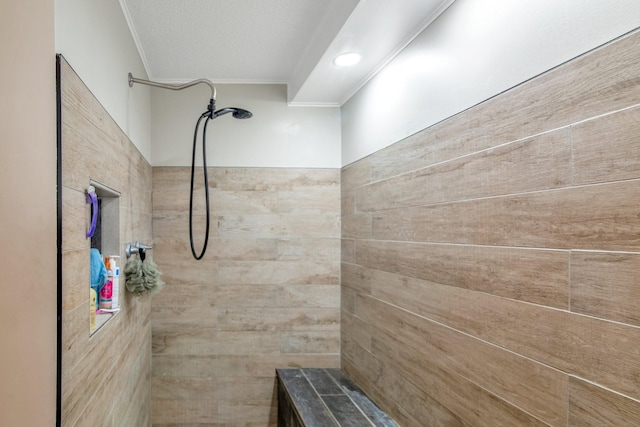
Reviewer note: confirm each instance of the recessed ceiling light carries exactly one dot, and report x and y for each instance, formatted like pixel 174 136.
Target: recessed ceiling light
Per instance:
pixel 347 59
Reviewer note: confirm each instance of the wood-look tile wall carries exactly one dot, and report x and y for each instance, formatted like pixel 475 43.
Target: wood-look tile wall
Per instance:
pixel 491 263
pixel 266 294
pixel 106 378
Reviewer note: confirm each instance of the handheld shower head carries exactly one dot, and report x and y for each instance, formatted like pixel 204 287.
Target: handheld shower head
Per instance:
pixel 242 114
pixel 210 114
pixel 238 113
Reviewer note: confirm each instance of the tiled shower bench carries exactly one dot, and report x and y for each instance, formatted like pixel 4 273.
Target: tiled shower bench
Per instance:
pixel 315 397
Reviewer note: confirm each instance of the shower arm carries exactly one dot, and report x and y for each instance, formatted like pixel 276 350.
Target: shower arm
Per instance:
pixel 133 80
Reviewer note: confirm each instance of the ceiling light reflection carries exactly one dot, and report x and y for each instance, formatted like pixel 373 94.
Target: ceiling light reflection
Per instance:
pixel 347 59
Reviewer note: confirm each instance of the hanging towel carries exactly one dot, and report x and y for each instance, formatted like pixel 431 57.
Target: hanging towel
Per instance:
pixel 98 270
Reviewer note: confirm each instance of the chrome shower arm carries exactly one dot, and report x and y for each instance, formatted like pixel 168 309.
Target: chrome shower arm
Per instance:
pixel 210 114
pixel 133 80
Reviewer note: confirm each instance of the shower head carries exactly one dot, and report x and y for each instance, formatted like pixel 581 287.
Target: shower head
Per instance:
pixel 238 113
pixel 242 114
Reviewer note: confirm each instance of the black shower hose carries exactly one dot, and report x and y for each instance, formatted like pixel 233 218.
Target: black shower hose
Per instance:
pixel 206 184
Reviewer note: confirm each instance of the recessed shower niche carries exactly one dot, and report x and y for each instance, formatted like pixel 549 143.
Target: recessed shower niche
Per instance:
pixel 104 232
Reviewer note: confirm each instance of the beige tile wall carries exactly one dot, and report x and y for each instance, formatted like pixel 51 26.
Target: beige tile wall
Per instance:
pixel 491 263
pixel 265 295
pixel 106 377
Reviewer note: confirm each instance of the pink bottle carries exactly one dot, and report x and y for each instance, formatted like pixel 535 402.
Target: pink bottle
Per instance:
pixel 106 293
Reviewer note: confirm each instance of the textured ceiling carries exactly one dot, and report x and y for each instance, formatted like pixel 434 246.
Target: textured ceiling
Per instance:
pixel 274 41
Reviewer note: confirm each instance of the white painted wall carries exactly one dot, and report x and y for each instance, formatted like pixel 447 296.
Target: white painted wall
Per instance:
pixel 473 51
pixel 276 136
pixel 95 39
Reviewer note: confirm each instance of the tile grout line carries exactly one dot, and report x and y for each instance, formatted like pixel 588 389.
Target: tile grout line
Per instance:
pixel 349 397
pixel 320 398
pixel 373 180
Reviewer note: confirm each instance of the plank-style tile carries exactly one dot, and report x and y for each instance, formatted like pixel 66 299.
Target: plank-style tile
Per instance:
pixel 186 307
pixel 534 387
pixel 170 225
pixel 236 365
pixel 278 273
pixel 245 388
pixel 533 331
pixel 274 179
pixel 561 219
pixel 310 342
pixel 605 285
pixel 410 406
pixel 185 425
pixel 348 251
pixel 303 399
pixel 181 366
pixel 243 202
pixel 356 174
pixel 593 406
pixel 471 403
pixel 131 384
pixel 603 147
pixel 302 249
pixel 178 340
pixel 357 226
pixel 185 272
pixel 178 249
pixel 75 220
pixel 356 329
pixel 369 408
pixel 250 179
pixel 351 353
pixel 319 201
pixel 535 276
pixel 165 177
pixel 75 278
pixel 264 366
pixel 237 296
pixel 347 414
pixel 277 319
pixel 136 411
pixel 247 412
pixel 347 202
pixel 414 152
pixel 176 400
pixel 322 381
pixel 279 226
pixel 320 296
pixel 184 295
pixel 356 278
pixel 91 140
pixel 533 164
